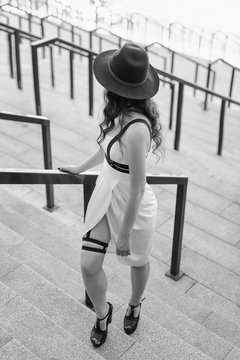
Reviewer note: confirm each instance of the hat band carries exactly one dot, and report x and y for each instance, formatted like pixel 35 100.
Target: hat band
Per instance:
pixel 126 83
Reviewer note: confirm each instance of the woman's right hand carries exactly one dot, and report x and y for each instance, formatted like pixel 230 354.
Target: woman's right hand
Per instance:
pixel 72 169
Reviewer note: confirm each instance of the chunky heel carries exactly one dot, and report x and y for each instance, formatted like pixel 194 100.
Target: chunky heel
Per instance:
pixel 98 336
pixel 130 322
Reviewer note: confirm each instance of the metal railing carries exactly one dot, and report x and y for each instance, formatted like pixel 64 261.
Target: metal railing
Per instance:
pixel 47 150
pixel 181 84
pixel 73 49
pixel 234 70
pixel 189 59
pixel 16 176
pixel 18 35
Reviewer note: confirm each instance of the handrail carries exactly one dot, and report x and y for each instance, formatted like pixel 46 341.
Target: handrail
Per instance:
pixel 223 98
pixel 72 48
pixel 46 139
pixel 87 179
pixel 197 63
pixel 234 69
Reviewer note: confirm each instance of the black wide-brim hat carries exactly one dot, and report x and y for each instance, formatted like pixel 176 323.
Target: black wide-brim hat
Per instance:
pixel 127 72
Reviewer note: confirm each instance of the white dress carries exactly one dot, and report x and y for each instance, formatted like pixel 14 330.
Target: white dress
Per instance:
pixel 110 197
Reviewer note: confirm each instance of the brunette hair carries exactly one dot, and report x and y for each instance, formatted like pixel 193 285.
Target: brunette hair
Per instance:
pixel 118 106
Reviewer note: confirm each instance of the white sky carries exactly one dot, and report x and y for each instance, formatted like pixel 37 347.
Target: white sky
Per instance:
pixel 213 15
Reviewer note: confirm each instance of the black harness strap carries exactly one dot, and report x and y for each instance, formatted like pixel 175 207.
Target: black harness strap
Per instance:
pixel 115 165
pixel 94 241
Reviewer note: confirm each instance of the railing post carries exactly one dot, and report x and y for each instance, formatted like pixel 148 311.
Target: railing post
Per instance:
pixel 36 80
pixel 47 155
pixel 10 54
pixel 90 82
pixel 88 186
pixel 195 78
pixel 179 117
pixel 221 128
pixel 52 66
pixel 175 272
pixel 207 85
pixel 172 87
pixel 172 62
pixel 43 35
pixel 213 83
pixel 90 40
pixel 231 85
pixel 59 36
pixel 71 74
pixel 17 57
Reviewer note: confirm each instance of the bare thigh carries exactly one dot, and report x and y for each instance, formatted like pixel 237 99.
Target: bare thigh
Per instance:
pixel 91 262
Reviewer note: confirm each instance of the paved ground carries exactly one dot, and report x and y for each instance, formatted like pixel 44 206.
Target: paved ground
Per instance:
pixel 202 310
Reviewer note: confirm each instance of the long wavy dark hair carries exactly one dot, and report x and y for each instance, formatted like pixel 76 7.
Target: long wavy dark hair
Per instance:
pixel 118 106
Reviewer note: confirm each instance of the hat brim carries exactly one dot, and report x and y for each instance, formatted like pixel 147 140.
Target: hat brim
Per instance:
pixel 144 91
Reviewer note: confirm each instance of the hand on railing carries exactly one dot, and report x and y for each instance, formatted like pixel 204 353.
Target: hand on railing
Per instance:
pixel 71 169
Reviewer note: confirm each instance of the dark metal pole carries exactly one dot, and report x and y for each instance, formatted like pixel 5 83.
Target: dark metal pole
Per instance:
pixel 43 35
pixel 17 57
pixel 88 187
pixel 90 40
pixel 221 128
pixel 196 78
pixel 47 154
pixel 207 85
pixel 172 86
pixel 172 62
pixel 90 82
pixel 59 36
pixel 179 117
pixel 52 66
pixel 213 82
pixel 36 80
pixel 10 54
pixel 71 74
pixel 231 85
pixel 175 272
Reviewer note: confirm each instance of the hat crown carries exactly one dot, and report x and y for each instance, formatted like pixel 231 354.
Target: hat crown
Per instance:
pixel 130 64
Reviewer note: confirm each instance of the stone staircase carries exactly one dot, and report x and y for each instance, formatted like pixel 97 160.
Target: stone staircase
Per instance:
pixel 42 311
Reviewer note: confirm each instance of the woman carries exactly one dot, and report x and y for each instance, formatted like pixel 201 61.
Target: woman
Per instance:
pixel 122 208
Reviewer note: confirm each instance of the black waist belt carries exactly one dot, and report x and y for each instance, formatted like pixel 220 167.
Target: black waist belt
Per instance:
pixel 117 166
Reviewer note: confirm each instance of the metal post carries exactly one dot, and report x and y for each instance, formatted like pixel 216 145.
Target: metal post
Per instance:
pixel 196 78
pixel 207 85
pixel 52 66
pixel 88 187
pixel 231 85
pixel 36 80
pixel 172 62
pixel 30 23
pixel 179 117
pixel 71 74
pixel 43 35
pixel 175 272
pixel 172 86
pixel 10 54
pixel 213 83
pixel 90 82
pixel 90 40
pixel 47 155
pixel 221 128
pixel 59 36
pixel 17 57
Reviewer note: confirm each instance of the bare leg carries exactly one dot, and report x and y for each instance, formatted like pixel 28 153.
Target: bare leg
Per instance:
pixel 139 279
pixel 94 277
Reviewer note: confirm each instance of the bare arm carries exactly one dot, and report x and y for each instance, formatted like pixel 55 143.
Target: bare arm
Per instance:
pixel 136 152
pixel 95 159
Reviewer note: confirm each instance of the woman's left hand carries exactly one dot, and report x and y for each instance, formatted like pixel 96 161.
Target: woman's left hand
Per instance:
pixel 123 245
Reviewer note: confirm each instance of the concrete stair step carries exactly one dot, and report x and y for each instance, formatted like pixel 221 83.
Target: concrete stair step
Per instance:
pixel 23 251
pixel 68 314
pixel 40 335
pixel 16 351
pixel 187 323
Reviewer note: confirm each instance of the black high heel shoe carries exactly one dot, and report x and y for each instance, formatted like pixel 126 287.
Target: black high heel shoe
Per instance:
pixel 98 336
pixel 130 322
